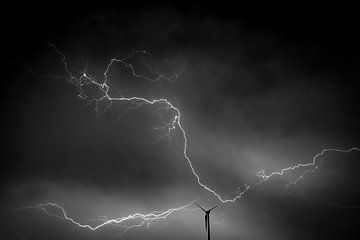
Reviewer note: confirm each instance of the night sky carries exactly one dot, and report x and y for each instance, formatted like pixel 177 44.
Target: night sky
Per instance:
pixel 258 89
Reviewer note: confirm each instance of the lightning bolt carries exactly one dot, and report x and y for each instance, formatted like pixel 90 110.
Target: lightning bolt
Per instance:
pixel 55 210
pixel 313 164
pixel 84 79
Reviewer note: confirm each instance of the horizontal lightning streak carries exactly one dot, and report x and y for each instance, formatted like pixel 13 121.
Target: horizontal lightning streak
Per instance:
pixel 145 219
pixel 265 177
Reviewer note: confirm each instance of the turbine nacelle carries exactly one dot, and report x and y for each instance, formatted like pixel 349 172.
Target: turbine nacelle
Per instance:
pixel 208 211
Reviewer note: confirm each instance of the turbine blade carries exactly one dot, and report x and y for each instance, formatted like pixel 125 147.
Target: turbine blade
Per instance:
pixel 200 207
pixel 212 208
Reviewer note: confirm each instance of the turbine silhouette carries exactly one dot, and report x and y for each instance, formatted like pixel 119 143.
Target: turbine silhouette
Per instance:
pixel 207 219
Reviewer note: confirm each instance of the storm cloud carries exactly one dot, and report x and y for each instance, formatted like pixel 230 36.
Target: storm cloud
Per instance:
pixel 262 89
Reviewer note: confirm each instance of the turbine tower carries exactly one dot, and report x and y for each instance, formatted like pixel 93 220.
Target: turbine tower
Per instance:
pixel 207 219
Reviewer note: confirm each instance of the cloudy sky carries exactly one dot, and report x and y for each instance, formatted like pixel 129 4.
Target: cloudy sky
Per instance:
pixel 258 89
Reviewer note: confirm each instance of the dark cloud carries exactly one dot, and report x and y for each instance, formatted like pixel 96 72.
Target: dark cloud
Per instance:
pixel 262 89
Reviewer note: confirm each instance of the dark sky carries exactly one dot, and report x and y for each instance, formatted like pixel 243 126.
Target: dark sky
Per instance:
pixel 262 88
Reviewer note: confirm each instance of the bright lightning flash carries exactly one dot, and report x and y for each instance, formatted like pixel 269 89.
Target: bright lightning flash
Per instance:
pixel 83 79
pixel 55 210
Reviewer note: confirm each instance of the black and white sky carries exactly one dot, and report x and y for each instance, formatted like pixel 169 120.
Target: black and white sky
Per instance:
pixel 261 89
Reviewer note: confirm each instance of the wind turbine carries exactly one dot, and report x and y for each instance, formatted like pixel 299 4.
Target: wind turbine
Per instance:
pixel 207 219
